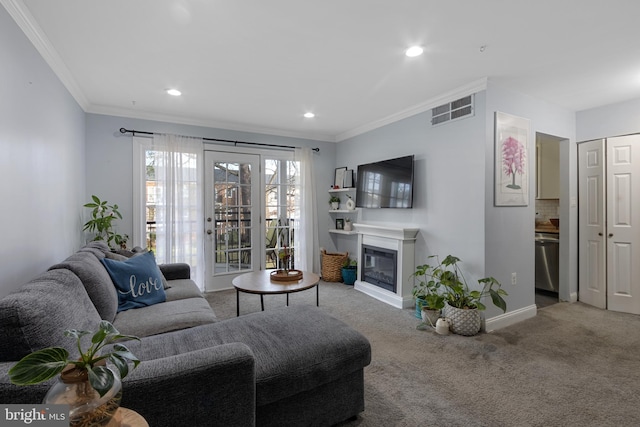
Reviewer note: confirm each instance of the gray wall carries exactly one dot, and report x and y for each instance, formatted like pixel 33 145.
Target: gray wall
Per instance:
pixel 453 199
pixel 509 245
pixel 448 183
pixel 610 120
pixel 42 165
pixel 110 166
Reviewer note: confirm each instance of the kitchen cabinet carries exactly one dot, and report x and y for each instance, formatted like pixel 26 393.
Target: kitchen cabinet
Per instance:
pixel 548 168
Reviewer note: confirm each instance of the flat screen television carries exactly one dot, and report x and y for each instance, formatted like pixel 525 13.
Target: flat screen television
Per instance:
pixel 385 184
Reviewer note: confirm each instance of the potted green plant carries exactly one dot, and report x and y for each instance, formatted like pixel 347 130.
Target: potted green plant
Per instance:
pixel 334 201
pixel 101 223
pixel 91 388
pixel 462 304
pixel 349 271
pixel 429 299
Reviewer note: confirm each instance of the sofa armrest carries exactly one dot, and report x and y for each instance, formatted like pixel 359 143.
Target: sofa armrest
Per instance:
pixel 175 271
pixel 209 387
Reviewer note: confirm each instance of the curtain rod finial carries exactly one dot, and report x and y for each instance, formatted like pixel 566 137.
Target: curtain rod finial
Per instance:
pixel 123 130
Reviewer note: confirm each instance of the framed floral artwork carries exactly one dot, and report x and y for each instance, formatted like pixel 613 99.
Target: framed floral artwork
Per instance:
pixel 512 163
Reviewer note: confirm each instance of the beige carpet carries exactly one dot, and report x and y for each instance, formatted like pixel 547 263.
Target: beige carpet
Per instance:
pixel 571 365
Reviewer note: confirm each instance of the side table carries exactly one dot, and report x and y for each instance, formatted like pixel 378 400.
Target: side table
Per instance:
pixel 127 418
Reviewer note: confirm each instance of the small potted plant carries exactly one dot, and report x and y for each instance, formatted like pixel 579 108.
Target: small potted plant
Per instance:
pixel 349 271
pixel 334 201
pixel 426 291
pixel 462 304
pixel 91 388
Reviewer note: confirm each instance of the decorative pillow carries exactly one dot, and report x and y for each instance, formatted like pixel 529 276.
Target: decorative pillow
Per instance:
pixel 138 281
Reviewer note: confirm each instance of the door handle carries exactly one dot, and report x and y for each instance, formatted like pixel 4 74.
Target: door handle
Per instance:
pixel 610 234
pixel 209 231
pixel 599 234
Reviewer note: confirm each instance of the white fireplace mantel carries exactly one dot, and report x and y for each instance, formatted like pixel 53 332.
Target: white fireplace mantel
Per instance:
pixel 400 239
pixel 398 233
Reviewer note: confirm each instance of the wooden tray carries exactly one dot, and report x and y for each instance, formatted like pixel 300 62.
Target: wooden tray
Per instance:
pixel 290 276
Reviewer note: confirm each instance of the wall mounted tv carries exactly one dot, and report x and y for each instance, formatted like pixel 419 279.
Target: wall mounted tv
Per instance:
pixel 386 184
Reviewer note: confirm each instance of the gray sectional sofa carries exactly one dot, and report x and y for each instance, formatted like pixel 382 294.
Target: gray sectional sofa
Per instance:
pixel 296 366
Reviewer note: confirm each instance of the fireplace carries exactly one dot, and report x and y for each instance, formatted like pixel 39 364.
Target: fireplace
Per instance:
pixel 379 267
pixel 386 255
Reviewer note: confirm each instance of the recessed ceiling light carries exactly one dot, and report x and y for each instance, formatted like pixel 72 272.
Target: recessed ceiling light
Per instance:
pixel 174 92
pixel 309 115
pixel 414 51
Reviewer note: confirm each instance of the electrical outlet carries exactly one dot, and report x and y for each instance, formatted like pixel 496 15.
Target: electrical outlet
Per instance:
pixel 514 278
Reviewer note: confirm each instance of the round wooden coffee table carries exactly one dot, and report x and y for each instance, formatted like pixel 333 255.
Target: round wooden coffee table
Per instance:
pixel 259 282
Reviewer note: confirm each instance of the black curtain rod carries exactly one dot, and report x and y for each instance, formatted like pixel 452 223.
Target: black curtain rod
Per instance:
pixel 123 130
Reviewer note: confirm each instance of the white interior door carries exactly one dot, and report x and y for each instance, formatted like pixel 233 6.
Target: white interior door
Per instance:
pixel 623 234
pixel 232 215
pixel 592 252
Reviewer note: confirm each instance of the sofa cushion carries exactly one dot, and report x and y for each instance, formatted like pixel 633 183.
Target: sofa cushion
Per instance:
pixel 182 289
pixel 165 317
pixel 36 315
pixel 120 257
pixel 296 348
pixel 96 280
pixel 138 281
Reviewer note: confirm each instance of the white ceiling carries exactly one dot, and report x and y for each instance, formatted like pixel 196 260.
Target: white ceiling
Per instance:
pixel 258 65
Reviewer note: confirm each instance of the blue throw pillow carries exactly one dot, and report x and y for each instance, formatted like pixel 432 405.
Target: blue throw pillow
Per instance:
pixel 138 281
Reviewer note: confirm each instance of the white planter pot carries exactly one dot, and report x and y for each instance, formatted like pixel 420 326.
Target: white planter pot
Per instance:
pixel 463 322
pixel 335 205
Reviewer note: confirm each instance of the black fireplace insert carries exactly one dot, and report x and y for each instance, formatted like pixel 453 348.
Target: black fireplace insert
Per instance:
pixel 379 267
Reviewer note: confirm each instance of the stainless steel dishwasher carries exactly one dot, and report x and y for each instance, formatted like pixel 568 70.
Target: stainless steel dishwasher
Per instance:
pixel 547 260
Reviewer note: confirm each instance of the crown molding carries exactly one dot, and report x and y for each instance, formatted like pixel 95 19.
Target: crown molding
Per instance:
pixel 27 23
pixel 239 127
pixel 460 92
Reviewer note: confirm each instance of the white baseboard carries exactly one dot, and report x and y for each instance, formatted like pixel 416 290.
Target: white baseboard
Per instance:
pixel 510 318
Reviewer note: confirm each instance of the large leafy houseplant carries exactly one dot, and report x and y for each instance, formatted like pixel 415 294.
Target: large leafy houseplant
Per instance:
pixel 456 291
pixel 101 223
pixel 46 363
pixel 426 288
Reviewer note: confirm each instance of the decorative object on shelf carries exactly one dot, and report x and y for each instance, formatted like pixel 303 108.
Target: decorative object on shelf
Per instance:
pixel 462 305
pixel 350 203
pixel 348 179
pixel 511 163
pixel 348 225
pixel 338 179
pixel 101 222
pixel 90 388
pixel 349 271
pixel 339 224
pixel 332 265
pixel 286 276
pixel 334 201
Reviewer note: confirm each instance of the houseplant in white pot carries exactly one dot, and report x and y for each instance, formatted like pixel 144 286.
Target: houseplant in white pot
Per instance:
pixel 92 389
pixel 334 201
pixel 463 304
pixel 429 299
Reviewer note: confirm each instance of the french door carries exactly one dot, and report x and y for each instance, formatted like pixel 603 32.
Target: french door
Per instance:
pixel 232 217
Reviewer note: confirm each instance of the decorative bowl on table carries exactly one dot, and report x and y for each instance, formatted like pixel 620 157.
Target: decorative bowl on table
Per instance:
pixel 286 275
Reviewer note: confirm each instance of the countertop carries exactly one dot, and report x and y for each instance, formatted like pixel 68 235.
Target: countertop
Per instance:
pixel 547 227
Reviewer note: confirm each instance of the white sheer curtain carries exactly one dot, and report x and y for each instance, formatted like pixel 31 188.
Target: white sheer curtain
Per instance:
pixel 306 238
pixel 179 207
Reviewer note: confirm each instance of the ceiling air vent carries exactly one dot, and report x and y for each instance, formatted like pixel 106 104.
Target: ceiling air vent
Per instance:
pixel 454 110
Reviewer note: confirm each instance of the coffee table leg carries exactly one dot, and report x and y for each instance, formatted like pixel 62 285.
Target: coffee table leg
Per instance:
pixel 262 302
pixel 317 296
pixel 287 300
pixel 237 303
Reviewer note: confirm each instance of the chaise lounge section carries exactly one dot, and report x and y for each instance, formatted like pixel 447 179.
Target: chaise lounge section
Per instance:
pixel 296 366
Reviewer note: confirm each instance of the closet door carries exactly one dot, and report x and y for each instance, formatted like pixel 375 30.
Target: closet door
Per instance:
pixel 623 230
pixel 592 253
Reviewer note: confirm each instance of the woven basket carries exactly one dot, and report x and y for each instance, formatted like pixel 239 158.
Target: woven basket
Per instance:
pixel 332 266
pixel 463 322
